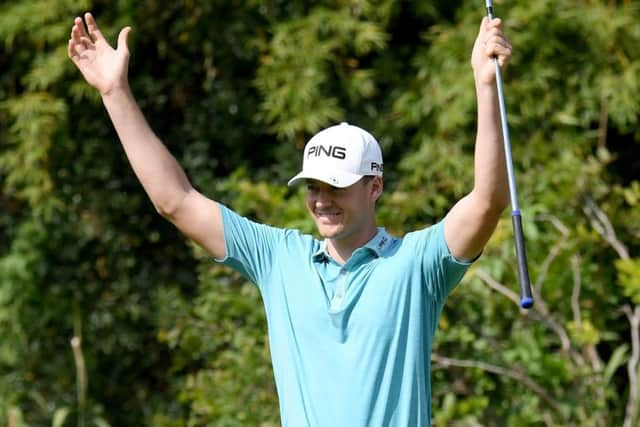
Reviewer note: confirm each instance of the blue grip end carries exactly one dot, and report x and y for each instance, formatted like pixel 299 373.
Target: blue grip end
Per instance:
pixel 526 302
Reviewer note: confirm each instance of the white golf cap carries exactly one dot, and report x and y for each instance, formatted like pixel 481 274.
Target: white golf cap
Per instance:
pixel 340 155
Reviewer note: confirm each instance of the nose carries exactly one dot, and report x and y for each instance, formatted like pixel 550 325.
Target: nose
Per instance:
pixel 323 197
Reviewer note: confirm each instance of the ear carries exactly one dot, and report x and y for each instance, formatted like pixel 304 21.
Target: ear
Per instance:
pixel 376 187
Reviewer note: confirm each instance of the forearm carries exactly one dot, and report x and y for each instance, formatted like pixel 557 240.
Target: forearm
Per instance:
pixel 471 221
pixel 160 174
pixel 490 174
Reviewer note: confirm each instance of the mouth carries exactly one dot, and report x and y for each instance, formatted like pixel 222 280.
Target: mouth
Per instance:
pixel 328 216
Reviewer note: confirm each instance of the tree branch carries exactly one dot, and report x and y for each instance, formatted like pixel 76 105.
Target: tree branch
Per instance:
pixel 497 286
pixel 535 313
pixel 81 378
pixel 575 292
pixel 555 250
pixel 603 121
pixel 632 365
pixel 521 377
pixel 600 222
pixel 11 418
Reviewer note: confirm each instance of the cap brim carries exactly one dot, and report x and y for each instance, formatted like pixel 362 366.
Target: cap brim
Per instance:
pixel 335 179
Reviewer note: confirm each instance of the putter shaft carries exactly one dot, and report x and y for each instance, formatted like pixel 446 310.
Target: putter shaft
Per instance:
pixel 526 298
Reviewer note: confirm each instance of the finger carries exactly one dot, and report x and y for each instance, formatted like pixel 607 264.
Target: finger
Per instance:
pixel 503 60
pixel 497 40
pixel 71 49
pixel 495 37
pixel 76 45
pixel 493 33
pixel 502 50
pixel 483 24
pixel 497 46
pixel 77 31
pixel 77 48
pixel 94 31
pixel 79 28
pixel 498 49
pixel 494 23
pixel 503 53
pixel 122 39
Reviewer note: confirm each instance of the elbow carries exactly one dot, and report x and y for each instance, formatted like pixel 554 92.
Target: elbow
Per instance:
pixel 502 204
pixel 165 210
pixel 491 214
pixel 170 207
pixel 491 207
pixel 497 207
pixel 498 200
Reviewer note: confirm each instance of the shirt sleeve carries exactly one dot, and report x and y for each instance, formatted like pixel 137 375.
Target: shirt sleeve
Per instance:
pixel 440 269
pixel 250 247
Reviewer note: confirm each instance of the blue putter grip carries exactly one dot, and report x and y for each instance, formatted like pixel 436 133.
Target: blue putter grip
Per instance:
pixel 526 300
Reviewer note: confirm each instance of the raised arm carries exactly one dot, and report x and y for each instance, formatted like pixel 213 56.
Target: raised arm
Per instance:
pixel 472 220
pixel 163 179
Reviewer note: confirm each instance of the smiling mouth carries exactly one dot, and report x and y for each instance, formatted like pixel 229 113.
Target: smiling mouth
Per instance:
pixel 332 216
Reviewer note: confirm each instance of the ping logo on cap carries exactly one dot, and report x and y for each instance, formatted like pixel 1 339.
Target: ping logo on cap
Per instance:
pixel 340 155
pixel 334 151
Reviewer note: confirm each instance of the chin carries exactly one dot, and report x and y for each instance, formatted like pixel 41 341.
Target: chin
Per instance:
pixel 329 232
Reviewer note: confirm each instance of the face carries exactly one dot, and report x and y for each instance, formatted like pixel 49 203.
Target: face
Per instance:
pixel 344 213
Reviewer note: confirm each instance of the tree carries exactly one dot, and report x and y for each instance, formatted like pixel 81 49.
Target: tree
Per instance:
pixel 235 88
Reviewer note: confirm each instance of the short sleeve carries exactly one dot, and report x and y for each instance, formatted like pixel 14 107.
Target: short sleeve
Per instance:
pixel 440 269
pixel 251 247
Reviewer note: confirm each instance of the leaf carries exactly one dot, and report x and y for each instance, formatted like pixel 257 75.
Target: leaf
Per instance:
pixel 101 422
pixel 60 416
pixel 617 359
pixel 629 277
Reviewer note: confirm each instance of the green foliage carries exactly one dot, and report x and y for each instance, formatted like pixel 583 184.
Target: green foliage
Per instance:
pixel 36 118
pixel 171 338
pixel 296 86
pixel 629 277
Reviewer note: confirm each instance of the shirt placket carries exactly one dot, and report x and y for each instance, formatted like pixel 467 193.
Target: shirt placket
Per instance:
pixel 337 302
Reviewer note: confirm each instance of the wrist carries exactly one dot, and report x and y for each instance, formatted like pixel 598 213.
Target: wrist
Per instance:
pixel 485 87
pixel 117 97
pixel 118 89
pixel 484 76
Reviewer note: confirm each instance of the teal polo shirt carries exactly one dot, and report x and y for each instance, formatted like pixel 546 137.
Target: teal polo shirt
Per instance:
pixel 350 343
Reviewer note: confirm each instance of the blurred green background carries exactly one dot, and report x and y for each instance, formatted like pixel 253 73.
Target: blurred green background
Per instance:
pixel 234 88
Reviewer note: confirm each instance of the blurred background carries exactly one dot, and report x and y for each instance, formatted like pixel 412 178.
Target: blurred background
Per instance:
pixel 109 317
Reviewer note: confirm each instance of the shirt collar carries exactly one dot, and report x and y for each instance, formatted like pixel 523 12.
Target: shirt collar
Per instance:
pixel 378 245
pixel 322 253
pixel 380 242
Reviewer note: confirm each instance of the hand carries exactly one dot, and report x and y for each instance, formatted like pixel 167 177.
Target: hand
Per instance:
pixel 102 67
pixel 490 43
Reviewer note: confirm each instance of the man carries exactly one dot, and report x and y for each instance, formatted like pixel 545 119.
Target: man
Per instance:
pixel 352 317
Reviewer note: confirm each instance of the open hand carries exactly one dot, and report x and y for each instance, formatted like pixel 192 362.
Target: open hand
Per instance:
pixel 490 43
pixel 102 67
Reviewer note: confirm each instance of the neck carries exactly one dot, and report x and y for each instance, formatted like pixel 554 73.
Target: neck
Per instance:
pixel 341 249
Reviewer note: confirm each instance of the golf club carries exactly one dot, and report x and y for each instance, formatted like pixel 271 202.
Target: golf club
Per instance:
pixel 526 300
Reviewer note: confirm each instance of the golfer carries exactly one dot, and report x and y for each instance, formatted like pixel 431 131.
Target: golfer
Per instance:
pixel 351 316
